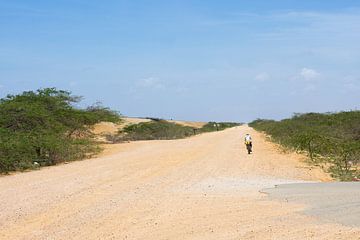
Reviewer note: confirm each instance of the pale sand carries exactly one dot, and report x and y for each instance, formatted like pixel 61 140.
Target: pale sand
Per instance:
pixel 112 128
pixel 203 187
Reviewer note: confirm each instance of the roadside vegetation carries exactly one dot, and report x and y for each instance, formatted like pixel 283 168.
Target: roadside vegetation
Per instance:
pixel 217 126
pixel 155 130
pixel 331 140
pixel 159 129
pixel 44 128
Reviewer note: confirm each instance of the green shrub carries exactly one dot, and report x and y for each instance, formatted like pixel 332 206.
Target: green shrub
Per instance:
pixel 329 139
pixel 44 127
pixel 159 129
pixel 154 130
pixel 217 126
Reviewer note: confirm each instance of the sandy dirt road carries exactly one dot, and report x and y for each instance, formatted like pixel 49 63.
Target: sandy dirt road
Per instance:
pixel 204 187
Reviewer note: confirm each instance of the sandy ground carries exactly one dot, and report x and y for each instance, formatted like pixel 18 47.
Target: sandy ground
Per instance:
pixel 189 124
pixel 204 187
pixel 112 128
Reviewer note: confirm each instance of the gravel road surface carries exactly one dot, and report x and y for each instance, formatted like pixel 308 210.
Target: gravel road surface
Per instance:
pixel 203 187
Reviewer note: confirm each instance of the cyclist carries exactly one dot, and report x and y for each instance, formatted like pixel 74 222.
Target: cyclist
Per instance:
pixel 248 143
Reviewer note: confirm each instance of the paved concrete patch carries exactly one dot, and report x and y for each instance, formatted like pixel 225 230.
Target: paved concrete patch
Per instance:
pixel 331 202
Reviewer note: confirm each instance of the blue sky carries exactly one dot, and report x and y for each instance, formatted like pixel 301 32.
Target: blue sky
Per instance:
pixel 191 60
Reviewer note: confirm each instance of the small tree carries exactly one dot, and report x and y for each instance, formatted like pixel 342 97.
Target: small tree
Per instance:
pixel 45 126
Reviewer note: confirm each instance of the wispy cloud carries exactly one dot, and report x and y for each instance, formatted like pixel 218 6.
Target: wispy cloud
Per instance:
pixel 307 80
pixel 306 74
pixel 262 77
pixel 13 9
pixel 150 82
pixel 309 74
pixel 311 24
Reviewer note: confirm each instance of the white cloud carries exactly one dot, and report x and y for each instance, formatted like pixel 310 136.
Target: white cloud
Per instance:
pixel 308 78
pixel 306 74
pixel 261 77
pixel 309 74
pixel 150 82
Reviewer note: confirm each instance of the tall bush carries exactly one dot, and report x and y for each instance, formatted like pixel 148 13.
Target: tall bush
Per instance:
pixel 44 126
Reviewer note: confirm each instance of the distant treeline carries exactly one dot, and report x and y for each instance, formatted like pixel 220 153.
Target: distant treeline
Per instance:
pixel 159 129
pixel 44 128
pixel 331 140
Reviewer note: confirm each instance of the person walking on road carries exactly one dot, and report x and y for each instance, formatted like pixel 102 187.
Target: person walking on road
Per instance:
pixel 248 143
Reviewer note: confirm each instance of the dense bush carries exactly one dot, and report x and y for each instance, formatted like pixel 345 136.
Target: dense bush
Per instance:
pixel 154 130
pixel 159 129
pixel 45 127
pixel 217 126
pixel 331 139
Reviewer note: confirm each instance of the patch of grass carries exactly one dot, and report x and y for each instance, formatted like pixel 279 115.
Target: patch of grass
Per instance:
pixel 330 139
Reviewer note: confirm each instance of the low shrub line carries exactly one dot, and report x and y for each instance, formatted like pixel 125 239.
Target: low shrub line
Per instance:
pixel 163 130
pixel 331 140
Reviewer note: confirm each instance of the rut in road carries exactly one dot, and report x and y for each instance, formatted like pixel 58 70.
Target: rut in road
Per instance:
pixel 203 187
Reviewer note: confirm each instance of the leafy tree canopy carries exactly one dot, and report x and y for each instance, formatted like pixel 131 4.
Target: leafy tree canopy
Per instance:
pixel 45 126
